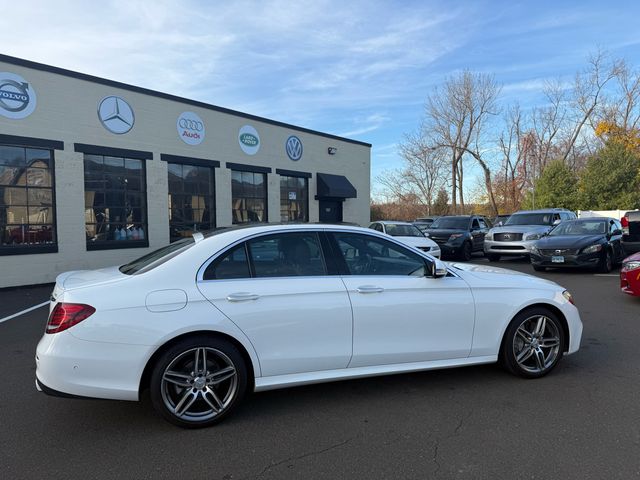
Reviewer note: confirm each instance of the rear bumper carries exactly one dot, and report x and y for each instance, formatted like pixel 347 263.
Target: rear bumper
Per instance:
pixel 630 247
pixel 68 366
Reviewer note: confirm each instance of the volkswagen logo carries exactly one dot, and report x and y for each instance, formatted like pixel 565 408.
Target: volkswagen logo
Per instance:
pixel 294 148
pixel 17 98
pixel 116 115
pixel 190 128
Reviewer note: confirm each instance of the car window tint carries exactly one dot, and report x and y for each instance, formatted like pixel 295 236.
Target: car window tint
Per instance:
pixel 232 264
pixel 287 255
pixel 475 225
pixel 367 255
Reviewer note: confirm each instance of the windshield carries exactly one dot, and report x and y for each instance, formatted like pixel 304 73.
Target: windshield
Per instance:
pixel 583 227
pixel 457 223
pixel 400 230
pixel 530 219
pixel 157 257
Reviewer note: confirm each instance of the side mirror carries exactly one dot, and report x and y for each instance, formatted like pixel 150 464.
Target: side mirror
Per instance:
pixel 557 222
pixel 438 269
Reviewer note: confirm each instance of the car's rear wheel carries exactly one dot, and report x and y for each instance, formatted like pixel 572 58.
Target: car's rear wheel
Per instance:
pixel 533 343
pixel 492 257
pixel 198 381
pixel 465 253
pixel 606 261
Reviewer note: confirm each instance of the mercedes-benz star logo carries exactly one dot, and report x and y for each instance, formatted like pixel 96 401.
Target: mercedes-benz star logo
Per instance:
pixel 116 115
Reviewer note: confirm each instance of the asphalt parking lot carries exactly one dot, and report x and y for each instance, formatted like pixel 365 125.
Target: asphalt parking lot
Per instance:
pixel 581 421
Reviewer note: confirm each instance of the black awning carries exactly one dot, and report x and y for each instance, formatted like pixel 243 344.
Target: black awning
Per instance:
pixel 335 186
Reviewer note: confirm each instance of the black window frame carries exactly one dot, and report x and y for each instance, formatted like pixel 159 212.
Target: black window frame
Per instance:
pixel 182 161
pixel 305 191
pixel 254 171
pixel 124 154
pixel 29 143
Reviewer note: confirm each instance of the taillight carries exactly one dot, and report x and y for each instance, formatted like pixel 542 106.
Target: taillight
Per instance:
pixel 625 225
pixel 65 315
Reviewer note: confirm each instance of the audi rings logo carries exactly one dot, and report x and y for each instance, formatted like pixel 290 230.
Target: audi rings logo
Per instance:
pixel 17 97
pixel 190 128
pixel 294 148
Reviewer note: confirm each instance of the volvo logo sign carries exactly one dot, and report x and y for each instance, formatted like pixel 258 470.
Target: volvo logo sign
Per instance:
pixel 190 128
pixel 294 148
pixel 17 97
pixel 249 140
pixel 116 115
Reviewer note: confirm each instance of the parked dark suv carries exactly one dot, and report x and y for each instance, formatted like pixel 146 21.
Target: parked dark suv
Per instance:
pixel 631 232
pixel 459 235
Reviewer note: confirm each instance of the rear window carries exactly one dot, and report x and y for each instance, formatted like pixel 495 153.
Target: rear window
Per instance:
pixel 157 257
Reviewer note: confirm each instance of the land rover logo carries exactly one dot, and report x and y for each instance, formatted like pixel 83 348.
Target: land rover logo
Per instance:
pixel 17 97
pixel 249 140
pixel 294 148
pixel 116 115
pixel 190 128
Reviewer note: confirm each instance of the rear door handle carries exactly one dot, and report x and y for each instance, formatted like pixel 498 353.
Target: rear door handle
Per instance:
pixel 369 289
pixel 242 297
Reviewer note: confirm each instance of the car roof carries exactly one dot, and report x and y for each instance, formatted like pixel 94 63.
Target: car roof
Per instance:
pixel 542 210
pixel 392 222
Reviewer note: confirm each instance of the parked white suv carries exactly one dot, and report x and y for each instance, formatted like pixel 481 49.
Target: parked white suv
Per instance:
pixel 518 234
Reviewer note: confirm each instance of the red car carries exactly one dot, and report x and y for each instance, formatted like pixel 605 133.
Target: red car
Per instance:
pixel 630 275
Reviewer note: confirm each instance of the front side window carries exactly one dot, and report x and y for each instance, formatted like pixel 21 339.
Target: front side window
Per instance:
pixel 294 199
pixel 249 196
pixel 287 255
pixel 115 202
pixel 191 200
pixel 27 220
pixel 367 255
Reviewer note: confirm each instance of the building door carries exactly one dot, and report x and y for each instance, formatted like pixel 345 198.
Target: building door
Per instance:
pixel 330 211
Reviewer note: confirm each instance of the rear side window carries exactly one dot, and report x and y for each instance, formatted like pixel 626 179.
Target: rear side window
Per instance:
pixel 287 255
pixel 230 265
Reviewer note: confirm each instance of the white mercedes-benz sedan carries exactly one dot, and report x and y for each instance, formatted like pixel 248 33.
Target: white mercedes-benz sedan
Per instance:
pixel 206 319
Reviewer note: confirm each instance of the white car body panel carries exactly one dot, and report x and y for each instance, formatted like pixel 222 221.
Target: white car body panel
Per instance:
pixel 289 338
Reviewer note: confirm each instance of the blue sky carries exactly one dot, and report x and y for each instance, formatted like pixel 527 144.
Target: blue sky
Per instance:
pixel 360 69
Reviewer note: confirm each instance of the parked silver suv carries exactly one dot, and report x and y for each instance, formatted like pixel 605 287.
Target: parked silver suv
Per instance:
pixel 517 235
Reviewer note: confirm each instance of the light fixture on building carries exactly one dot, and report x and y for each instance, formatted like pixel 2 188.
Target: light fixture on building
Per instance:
pixel 332 150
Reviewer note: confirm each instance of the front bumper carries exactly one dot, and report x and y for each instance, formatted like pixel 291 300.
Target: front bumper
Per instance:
pixel 453 249
pixel 70 366
pixel 518 247
pixel 586 260
pixel 630 281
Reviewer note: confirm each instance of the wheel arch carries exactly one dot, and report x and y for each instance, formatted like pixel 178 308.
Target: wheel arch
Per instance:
pixel 148 368
pixel 548 306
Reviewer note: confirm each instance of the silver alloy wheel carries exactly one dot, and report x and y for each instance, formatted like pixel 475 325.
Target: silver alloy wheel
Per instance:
pixel 536 344
pixel 199 384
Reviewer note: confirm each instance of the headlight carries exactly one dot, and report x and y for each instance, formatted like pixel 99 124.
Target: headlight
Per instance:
pixel 426 234
pixel 631 265
pixel 454 236
pixel 533 236
pixel 534 249
pixel 568 296
pixel 592 249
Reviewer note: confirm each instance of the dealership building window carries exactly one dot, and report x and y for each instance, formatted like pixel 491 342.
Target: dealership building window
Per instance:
pixel 115 202
pixel 191 199
pixel 249 196
pixel 294 199
pixel 27 203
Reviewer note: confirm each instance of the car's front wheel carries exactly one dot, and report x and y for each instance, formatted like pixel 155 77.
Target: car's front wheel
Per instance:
pixel 533 343
pixel 492 257
pixel 606 261
pixel 466 251
pixel 198 381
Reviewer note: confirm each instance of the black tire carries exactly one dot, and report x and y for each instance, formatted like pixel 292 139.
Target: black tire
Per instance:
pixel 209 399
pixel 606 262
pixel 539 268
pixel 536 355
pixel 492 257
pixel 466 251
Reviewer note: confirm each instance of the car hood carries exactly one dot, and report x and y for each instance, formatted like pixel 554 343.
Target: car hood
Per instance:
pixel 479 276
pixel 417 241
pixel 444 232
pixel 521 229
pixel 633 258
pixel 85 278
pixel 569 241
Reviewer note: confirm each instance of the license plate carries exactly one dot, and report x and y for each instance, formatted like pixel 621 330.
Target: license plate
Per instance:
pixel 557 259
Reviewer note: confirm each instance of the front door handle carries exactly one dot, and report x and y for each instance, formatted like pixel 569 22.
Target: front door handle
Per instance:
pixel 369 289
pixel 242 297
